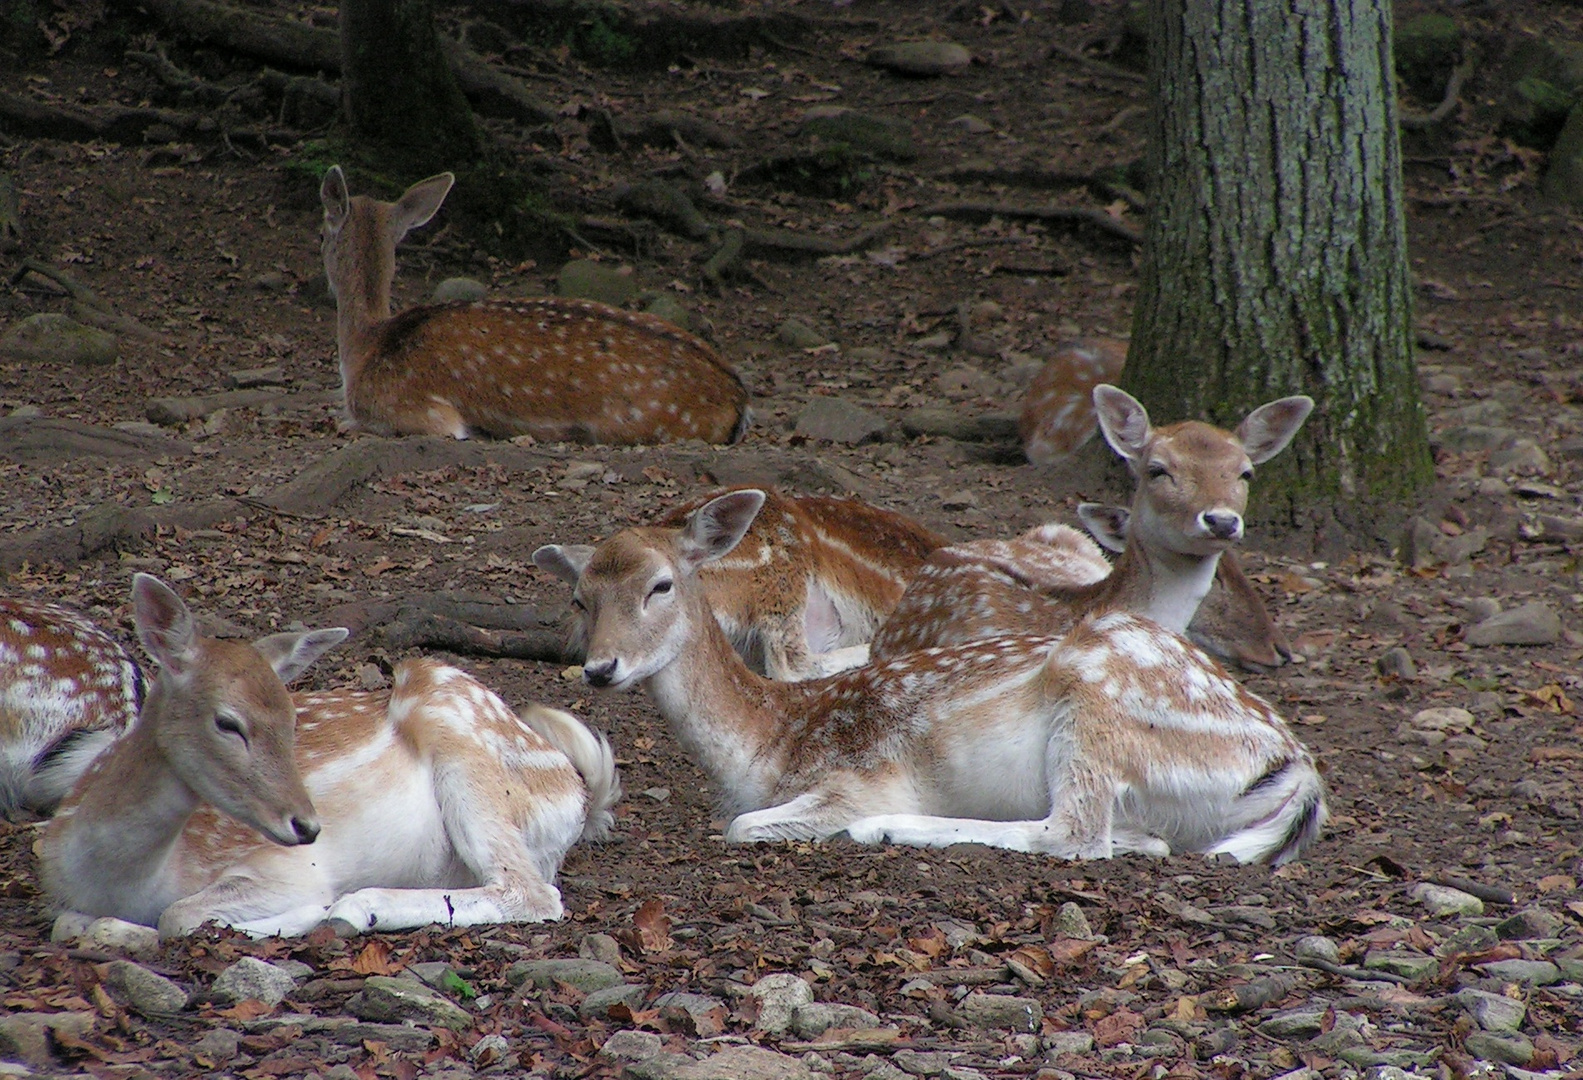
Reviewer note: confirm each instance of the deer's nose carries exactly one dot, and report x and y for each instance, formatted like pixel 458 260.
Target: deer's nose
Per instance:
pixel 306 829
pixel 1222 524
pixel 601 674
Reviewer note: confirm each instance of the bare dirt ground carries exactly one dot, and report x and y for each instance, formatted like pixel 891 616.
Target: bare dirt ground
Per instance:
pixel 214 247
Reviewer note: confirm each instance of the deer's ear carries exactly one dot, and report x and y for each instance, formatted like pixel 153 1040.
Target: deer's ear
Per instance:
pixel 419 203
pixel 164 624
pixel 1268 429
pixel 290 654
pixel 1106 524
pixel 565 561
pixel 1123 420
pixel 334 196
pixel 719 525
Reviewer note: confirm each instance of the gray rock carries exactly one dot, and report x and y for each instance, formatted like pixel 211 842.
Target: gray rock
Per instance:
pixel 954 424
pixel 25 1035
pixel 1068 1042
pixel 1492 1012
pixel 489 1050
pixel 219 1045
pixel 971 124
pixel 837 420
pixel 1529 924
pixel 661 1066
pixel 1317 947
pixel 922 1062
pixel 1532 624
pixel 1527 972
pixel 601 947
pixel 584 975
pixel 387 1000
pixel 1399 962
pixel 1418 540
pixel 459 288
pixel 54 338
pixel 631 1046
pixel 744 1063
pixel 812 1020
pixel 106 933
pixel 704 1014
pixel 1512 1049
pixel 143 991
pixel 877 136
pixel 402 1038
pixel 431 972
pixel 667 307
pixel 252 978
pixel 1457 550
pixel 1563 180
pixel 1308 1020
pixel 779 996
pixel 1468 438
pixel 596 1006
pixel 1522 458
pixel 1071 922
pixel 1466 940
pixel 588 280
pixel 796 334
pixel 1002 1011
pixel 1396 663
pixel 921 57
pixel 1441 900
pixel 1481 607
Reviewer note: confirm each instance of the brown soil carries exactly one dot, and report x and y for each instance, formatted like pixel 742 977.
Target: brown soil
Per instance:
pixel 214 247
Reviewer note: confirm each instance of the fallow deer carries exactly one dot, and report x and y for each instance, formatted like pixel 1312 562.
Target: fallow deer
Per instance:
pixel 1187 510
pixel 552 368
pixel 809 583
pixel 67 690
pixel 1058 409
pixel 1121 736
pixel 431 802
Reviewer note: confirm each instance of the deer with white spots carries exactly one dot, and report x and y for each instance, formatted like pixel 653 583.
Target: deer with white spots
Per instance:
pixel 67 690
pixel 1118 737
pixel 553 368
pixel 1186 512
pixel 1058 409
pixel 230 802
pixel 803 592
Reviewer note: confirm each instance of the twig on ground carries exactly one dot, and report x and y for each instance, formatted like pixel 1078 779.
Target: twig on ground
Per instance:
pixel 1448 104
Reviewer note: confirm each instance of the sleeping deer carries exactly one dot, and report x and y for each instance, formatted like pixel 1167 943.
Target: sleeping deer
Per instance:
pixel 1187 510
pixel 552 368
pixel 67 690
pixel 808 584
pixel 229 802
pixel 1058 409
pixel 1120 736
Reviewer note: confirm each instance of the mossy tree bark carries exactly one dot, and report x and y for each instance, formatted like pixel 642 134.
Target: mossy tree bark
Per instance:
pixel 398 89
pixel 1276 256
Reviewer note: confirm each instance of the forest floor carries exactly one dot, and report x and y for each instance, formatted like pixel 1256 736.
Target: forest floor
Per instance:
pixel 213 246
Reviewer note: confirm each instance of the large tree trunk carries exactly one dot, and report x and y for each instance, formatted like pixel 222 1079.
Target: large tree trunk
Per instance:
pixel 398 88
pixel 1275 260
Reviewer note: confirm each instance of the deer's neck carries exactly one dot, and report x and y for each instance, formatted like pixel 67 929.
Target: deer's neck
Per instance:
pixel 362 304
pixel 1165 586
pixel 110 850
pixel 728 719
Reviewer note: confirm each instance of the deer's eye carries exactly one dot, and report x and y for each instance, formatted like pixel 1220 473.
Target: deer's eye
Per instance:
pixel 230 725
pixel 578 605
pixel 661 587
pixel 1247 474
pixel 1157 470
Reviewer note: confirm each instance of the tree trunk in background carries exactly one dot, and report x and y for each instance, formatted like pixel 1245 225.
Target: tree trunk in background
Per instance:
pixel 1276 255
pixel 398 89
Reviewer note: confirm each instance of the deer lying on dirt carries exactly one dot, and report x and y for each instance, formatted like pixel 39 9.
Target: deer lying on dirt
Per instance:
pixel 553 368
pixel 67 690
pixel 811 580
pixel 1186 511
pixel 1058 409
pixel 1121 736
pixel 430 803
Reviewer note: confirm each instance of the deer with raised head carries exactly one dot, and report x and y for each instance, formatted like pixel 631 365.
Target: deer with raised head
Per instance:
pixel 230 802
pixel 1058 409
pixel 553 368
pixel 1187 510
pixel 804 591
pixel 67 690
pixel 1121 736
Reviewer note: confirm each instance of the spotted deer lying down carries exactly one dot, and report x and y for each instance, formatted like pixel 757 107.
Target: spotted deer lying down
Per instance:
pixel 1186 512
pixel 553 368
pixel 229 802
pixel 67 690
pixel 1119 736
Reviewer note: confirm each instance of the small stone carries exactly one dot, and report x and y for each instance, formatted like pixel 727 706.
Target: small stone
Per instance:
pixel 1309 1020
pixel 631 1046
pixel 966 499
pixel 1071 922
pixel 1418 540
pixel 143 991
pixel 796 334
pixel 667 307
pixel 970 124
pixel 1527 972
pixel 1317 947
pixel 661 1066
pixel 584 975
pixel 744 1063
pixel 1512 1049
pixel 119 936
pixel 1447 720
pixel 922 58
pixel 921 1062
pixel 219 1045
pixel 812 1020
pixel 1532 624
pixel 271 281
pixel 1068 1042
pixel 1481 607
pixel 459 288
pixel 601 947
pixel 1441 900
pixel 597 1005
pixel 1409 965
pixel 1492 1012
pixel 51 337
pixel 705 1015
pixel 1002 1011
pixel 1396 663
pixel 837 420
pixel 1523 458
pixel 490 1050
pixel 251 978
pixel 1466 940
pixel 588 280
pixel 779 996
pixel 389 1000
pixel 1529 924
pixel 26 1035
